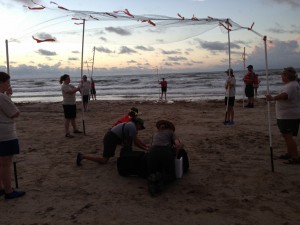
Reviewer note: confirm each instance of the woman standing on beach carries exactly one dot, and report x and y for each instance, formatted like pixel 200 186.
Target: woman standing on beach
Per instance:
pixel 9 144
pixel 69 104
pixel 288 113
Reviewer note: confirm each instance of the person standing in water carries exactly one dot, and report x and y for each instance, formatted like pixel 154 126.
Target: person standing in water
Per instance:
pixel 163 85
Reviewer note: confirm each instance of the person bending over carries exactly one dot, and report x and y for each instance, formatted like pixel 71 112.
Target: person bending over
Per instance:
pixel 123 134
pixel 160 159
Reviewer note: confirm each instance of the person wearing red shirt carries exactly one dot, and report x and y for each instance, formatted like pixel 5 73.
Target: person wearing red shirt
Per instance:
pixel 163 85
pixel 249 80
pixel 133 113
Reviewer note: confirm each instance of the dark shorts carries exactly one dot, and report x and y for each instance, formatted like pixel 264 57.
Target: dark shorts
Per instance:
pixel 230 102
pixel 288 126
pixel 249 91
pixel 93 91
pixel 110 143
pixel 69 111
pixel 164 89
pixel 85 98
pixel 161 159
pixel 8 148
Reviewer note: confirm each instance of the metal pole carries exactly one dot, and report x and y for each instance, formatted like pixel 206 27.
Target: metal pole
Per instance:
pixel 7 57
pixel 244 59
pixel 268 104
pixel 16 175
pixel 82 49
pixel 229 67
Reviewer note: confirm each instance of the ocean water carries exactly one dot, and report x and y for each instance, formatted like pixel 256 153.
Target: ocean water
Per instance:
pixel 181 86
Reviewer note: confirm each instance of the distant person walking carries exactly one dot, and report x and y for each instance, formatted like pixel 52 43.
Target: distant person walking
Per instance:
pixel 164 86
pixel 250 79
pixel 85 88
pixel 229 97
pixel 93 89
pixel 9 144
pixel 69 104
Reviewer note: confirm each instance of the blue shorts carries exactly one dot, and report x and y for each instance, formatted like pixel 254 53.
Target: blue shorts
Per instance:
pixel 8 148
pixel 288 126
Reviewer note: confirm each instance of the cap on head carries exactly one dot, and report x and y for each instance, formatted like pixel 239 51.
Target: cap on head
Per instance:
pixel 229 71
pixel 250 67
pixel 140 122
pixel 133 112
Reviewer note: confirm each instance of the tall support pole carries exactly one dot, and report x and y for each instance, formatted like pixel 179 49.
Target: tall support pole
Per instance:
pixel 268 104
pixel 82 50
pixel 244 59
pixel 94 49
pixel 7 57
pixel 159 88
pixel 229 67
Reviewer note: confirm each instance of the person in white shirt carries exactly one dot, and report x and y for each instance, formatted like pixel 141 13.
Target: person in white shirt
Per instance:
pixel 69 104
pixel 9 144
pixel 85 89
pixel 288 113
pixel 229 97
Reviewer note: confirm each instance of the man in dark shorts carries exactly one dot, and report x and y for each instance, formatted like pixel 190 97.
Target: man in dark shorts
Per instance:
pixel 123 134
pixel 249 80
pixel 163 85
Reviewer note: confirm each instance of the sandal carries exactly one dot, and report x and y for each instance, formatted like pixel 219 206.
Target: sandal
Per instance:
pixel 293 161
pixel 68 135
pixel 285 156
pixel 77 132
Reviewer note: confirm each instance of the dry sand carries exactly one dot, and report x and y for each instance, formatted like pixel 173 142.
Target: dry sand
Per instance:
pixel 230 181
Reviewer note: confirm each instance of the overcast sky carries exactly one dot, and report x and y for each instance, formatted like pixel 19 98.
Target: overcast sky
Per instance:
pixel 136 47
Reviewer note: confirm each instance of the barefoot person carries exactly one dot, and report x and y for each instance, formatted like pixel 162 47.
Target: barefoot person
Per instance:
pixel 164 86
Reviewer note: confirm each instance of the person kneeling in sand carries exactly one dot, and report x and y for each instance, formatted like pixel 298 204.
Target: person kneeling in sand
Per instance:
pixel 160 159
pixel 123 134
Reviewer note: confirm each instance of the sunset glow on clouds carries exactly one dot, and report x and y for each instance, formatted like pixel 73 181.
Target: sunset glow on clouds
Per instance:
pixel 134 47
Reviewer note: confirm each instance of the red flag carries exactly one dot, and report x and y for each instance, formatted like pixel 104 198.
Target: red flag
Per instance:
pixel 180 16
pixel 149 21
pixel 45 40
pixel 60 7
pixel 35 8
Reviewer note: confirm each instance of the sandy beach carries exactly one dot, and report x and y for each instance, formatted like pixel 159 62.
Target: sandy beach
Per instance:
pixel 230 181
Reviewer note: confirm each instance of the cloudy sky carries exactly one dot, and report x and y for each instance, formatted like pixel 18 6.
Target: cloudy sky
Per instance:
pixel 133 46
